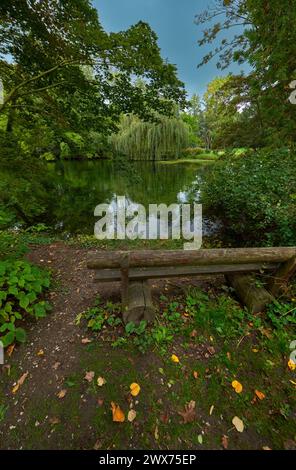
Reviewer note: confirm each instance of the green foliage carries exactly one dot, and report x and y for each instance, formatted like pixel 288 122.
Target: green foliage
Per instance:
pixel 159 140
pixel 21 285
pixel 259 205
pixel 99 316
pixel 11 246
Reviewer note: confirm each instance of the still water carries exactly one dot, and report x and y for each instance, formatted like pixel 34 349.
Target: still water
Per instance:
pixel 82 186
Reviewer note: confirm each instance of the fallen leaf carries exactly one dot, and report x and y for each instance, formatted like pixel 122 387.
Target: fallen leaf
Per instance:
pixel 156 433
pixel 291 364
pixel 101 381
pixel 54 420
pixel 200 439
pixel 255 350
pixel 85 341
pixel 20 382
pixel 40 352
pixel 131 415
pixel 98 445
pixel 259 394
pixel 237 386
pixel 238 424
pixel 135 389
pixel 266 448
pixel 117 413
pixel 195 374
pixel 193 334
pixel 224 442
pixel 175 358
pixel 56 365
pixel 89 376
pixel 189 413
pixel 211 410
pixel 62 393
pixel 228 356
pixel 10 349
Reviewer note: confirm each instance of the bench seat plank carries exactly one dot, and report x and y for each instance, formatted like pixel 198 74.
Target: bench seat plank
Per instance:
pixel 107 275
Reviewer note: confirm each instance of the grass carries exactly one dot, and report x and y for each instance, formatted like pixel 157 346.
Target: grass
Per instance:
pixel 196 161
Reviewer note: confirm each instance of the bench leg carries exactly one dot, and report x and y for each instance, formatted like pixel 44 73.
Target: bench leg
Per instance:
pixel 139 305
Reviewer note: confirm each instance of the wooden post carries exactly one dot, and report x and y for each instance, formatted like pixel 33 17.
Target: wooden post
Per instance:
pixel 140 305
pixel 254 297
pixel 124 267
pixel 282 276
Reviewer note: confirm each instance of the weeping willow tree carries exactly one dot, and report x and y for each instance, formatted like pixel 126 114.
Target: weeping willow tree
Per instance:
pixel 159 140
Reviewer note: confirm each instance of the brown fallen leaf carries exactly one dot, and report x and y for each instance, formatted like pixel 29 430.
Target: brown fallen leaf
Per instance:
pixel 62 393
pixel 56 365
pixel 131 415
pixel 224 442
pixel 89 376
pixel 98 445
pixel 20 382
pixel 259 394
pixel 193 334
pixel 156 433
pixel 85 341
pixel 10 349
pixel 54 420
pixel 189 413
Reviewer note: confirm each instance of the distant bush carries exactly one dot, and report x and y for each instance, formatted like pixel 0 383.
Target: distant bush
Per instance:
pixel 255 197
pixel 21 285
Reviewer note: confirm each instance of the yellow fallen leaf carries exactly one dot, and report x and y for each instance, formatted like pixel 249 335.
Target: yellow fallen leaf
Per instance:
pixel 15 388
pixel 62 394
pixel 211 410
pixel 131 415
pixel 175 358
pixel 195 374
pixel 259 394
pixel 291 364
pixel 117 413
pixel 255 350
pixel 135 389
pixel 40 352
pixel 101 381
pixel 237 386
pixel 238 424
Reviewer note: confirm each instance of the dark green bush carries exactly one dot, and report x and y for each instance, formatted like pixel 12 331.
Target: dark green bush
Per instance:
pixel 21 285
pixel 255 198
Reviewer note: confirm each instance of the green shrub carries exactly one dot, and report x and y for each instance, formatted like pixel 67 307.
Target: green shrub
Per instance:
pixel 21 285
pixel 255 198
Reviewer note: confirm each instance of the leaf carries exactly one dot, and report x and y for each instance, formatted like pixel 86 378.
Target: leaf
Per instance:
pixel 89 376
pixel 85 341
pixel 237 386
pixel 291 364
pixel 195 374
pixel 20 382
pixel 156 433
pixel 131 415
pixel 224 442
pixel 135 389
pixel 238 424
pixel 40 352
pixel 54 420
pixel 200 439
pixel 20 335
pixel 10 349
pixel 211 410
pixel 62 394
pixel 56 365
pixel 259 394
pixel 117 413
pixel 101 381
pixel 175 358
pixel 189 413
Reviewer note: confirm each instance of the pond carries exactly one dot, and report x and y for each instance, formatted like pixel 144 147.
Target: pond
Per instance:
pixel 84 185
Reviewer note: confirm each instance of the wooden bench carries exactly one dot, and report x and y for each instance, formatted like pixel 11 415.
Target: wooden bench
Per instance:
pixel 135 268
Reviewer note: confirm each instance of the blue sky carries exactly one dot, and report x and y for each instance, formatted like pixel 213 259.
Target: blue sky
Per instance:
pixel 173 21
